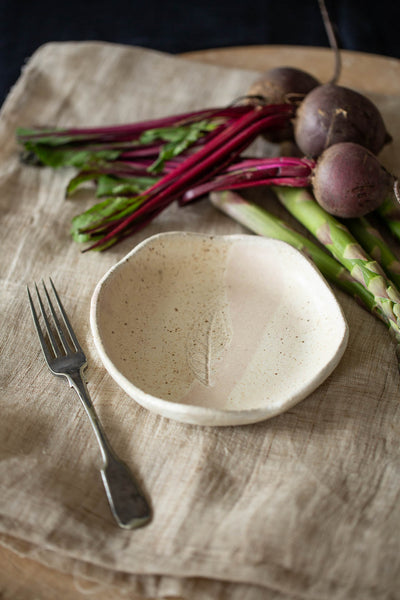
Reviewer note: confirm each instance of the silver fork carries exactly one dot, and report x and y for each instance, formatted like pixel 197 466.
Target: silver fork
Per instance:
pixel 66 358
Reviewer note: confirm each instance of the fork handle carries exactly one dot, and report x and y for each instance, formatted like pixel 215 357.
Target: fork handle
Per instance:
pixel 127 502
pixel 128 505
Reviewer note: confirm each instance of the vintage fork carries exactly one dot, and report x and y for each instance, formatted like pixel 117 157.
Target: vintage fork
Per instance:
pixel 66 358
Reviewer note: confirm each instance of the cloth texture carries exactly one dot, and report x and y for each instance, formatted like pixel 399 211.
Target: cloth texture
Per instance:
pixel 303 506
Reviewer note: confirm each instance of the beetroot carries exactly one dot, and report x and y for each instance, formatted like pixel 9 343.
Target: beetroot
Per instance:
pixel 280 85
pixel 332 114
pixel 349 181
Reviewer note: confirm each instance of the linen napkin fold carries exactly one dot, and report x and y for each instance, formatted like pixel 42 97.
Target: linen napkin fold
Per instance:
pixel 302 506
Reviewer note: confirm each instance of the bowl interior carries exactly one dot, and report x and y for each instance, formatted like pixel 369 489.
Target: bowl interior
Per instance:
pixel 220 323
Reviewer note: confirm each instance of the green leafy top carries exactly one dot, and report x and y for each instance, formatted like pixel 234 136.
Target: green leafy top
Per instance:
pixel 177 139
pixel 109 185
pixel 70 151
pixel 68 157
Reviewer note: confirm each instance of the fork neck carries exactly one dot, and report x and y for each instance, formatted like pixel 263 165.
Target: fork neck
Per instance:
pixel 77 382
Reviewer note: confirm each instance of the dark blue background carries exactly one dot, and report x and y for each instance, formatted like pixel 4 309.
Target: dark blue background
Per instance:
pixel 179 26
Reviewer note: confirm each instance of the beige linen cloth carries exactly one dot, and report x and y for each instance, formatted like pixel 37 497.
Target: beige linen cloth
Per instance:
pixel 304 506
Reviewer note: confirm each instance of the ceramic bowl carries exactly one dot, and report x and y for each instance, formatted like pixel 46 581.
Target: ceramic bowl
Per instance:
pixel 217 330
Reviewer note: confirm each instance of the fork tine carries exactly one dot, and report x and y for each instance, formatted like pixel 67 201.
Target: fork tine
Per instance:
pixel 54 343
pixel 57 322
pixel 38 328
pixel 67 323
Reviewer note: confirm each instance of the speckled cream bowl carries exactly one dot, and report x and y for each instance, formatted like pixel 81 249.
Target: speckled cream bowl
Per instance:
pixel 217 330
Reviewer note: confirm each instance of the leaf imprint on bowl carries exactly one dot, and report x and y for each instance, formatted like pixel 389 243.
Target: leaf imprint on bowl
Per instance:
pixel 207 339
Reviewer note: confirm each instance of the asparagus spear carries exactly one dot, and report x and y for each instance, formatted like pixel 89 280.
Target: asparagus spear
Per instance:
pixel 264 223
pixel 371 240
pixel 389 212
pixel 345 248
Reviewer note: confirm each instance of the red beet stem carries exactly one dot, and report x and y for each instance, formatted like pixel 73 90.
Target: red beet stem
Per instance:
pixel 295 172
pixel 132 130
pixel 236 136
pixel 245 125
